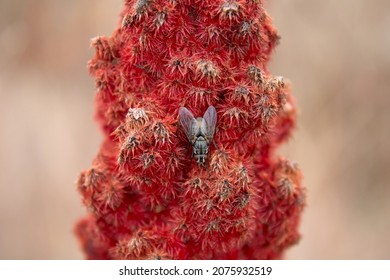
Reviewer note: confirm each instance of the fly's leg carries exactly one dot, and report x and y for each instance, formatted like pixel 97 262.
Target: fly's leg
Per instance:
pixel 189 146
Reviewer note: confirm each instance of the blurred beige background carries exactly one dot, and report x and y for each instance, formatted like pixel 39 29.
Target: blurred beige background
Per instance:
pixel 336 52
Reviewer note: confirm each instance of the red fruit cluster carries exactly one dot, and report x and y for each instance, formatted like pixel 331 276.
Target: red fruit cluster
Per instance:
pixel 147 197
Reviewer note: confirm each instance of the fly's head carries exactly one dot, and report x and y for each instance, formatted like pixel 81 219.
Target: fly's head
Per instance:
pixel 200 159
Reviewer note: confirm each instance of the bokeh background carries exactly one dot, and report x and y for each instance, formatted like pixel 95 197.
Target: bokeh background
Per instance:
pixel 336 53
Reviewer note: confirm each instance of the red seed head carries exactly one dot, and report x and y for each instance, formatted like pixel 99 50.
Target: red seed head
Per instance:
pixel 146 195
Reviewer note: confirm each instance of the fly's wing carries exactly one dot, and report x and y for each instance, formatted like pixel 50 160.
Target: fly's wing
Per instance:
pixel 210 120
pixel 188 122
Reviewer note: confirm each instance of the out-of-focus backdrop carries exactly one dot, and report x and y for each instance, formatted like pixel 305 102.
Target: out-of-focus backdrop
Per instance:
pixel 336 53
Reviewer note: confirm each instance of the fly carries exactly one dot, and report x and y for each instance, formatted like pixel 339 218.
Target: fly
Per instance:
pixel 199 131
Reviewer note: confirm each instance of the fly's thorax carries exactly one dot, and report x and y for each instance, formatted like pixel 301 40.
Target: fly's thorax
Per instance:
pixel 200 150
pixel 201 146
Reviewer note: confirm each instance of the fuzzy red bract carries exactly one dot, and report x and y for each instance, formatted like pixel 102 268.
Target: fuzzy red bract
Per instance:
pixel 147 198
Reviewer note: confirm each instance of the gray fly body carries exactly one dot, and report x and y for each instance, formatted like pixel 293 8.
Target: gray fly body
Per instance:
pixel 199 131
